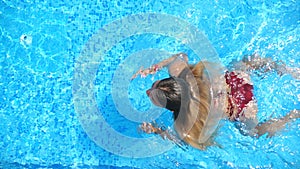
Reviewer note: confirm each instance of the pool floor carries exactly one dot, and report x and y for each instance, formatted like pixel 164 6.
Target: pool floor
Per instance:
pixel 42 42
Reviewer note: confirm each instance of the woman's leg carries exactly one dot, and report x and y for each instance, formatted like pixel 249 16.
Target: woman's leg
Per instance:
pixel 255 62
pixel 252 128
pixel 277 124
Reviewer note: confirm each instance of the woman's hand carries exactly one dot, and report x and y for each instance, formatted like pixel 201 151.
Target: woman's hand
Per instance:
pixel 152 70
pixel 165 134
pixel 147 128
pixel 155 68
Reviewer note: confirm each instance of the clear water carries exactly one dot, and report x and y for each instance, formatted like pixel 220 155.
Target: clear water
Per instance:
pixel 40 127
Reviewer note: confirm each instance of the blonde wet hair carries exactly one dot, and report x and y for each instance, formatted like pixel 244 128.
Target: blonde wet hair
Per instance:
pixel 193 136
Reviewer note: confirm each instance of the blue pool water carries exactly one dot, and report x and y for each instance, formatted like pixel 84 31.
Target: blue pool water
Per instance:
pixel 42 42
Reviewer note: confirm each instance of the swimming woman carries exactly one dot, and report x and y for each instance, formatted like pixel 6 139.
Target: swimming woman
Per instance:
pixel 198 107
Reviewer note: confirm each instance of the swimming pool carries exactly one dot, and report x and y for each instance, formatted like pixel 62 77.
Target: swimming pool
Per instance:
pixel 42 42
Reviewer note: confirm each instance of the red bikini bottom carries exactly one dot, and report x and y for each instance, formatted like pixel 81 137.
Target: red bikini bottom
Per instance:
pixel 239 95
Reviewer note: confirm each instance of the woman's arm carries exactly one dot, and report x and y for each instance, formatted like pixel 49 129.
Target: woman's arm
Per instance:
pixel 154 68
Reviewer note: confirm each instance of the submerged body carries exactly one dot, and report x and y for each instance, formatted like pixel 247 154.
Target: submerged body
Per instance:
pixel 196 111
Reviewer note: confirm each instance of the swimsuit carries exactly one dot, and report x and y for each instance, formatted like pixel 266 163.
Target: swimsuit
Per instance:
pixel 240 93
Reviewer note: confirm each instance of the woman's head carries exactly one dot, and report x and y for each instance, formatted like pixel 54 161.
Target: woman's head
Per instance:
pixel 166 93
pixel 190 104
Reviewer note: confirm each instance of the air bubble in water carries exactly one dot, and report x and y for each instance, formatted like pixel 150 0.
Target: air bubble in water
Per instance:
pixel 26 40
